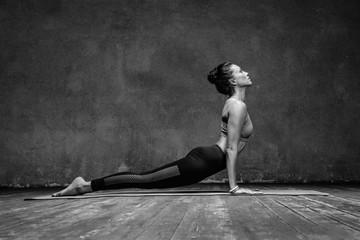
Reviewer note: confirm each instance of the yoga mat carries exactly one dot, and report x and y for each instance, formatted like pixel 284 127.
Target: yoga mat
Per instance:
pixel 179 193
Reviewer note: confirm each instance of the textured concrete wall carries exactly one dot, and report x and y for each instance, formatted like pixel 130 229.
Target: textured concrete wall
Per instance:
pixel 92 87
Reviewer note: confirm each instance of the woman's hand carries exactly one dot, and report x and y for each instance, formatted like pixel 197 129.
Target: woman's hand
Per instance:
pixel 247 191
pixel 239 191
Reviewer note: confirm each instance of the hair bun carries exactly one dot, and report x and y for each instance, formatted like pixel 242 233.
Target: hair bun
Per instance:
pixel 212 76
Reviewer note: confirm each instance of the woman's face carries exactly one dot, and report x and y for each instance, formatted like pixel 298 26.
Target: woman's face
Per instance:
pixel 240 77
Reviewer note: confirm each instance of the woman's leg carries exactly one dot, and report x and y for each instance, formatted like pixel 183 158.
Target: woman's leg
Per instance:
pixel 200 163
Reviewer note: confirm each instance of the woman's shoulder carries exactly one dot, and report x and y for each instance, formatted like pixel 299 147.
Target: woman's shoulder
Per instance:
pixel 235 105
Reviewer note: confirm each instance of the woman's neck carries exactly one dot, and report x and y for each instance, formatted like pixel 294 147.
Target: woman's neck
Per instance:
pixel 239 94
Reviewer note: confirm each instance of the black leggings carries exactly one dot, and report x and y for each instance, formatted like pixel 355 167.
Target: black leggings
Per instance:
pixel 198 164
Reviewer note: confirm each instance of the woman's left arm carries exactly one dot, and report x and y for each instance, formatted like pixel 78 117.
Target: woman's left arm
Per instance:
pixel 237 115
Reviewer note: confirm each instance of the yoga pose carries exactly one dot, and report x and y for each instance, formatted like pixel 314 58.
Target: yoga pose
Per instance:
pixel 201 162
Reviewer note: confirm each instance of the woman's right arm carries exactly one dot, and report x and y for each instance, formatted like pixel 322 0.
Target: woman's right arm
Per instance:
pixel 237 115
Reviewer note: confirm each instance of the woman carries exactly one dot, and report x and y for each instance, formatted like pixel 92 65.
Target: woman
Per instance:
pixel 201 162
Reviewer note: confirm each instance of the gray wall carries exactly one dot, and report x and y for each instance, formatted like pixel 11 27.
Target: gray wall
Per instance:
pixel 92 87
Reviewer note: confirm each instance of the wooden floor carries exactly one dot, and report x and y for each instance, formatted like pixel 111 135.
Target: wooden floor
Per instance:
pixel 336 216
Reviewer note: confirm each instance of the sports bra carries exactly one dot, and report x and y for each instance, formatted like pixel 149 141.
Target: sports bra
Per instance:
pixel 224 121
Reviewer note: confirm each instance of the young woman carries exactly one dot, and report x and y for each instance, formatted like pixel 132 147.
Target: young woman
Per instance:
pixel 201 162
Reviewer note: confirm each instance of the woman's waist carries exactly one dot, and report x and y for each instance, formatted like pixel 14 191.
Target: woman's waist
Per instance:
pixel 222 143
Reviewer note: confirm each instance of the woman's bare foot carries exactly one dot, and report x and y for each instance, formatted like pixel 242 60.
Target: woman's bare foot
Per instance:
pixel 77 187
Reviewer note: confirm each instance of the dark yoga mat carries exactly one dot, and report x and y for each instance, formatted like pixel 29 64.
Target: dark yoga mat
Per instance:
pixel 294 192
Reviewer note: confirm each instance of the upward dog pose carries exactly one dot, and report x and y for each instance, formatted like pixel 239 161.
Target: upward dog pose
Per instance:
pixel 201 162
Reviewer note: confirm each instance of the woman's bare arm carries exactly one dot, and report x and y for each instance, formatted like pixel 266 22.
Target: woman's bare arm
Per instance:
pixel 237 115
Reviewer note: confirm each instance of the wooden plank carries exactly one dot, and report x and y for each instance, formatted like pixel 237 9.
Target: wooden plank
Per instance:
pixel 343 205
pixel 303 225
pixel 130 226
pixel 188 227
pixel 301 207
pixel 338 215
pixel 98 220
pixel 206 218
pixel 31 211
pixel 24 223
pixel 20 205
pixel 74 220
pixel 167 221
pixel 14 198
pixel 185 217
pixel 349 190
pixel 252 219
pixel 352 194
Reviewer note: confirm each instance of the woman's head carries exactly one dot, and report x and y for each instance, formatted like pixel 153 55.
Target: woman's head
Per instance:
pixel 227 76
